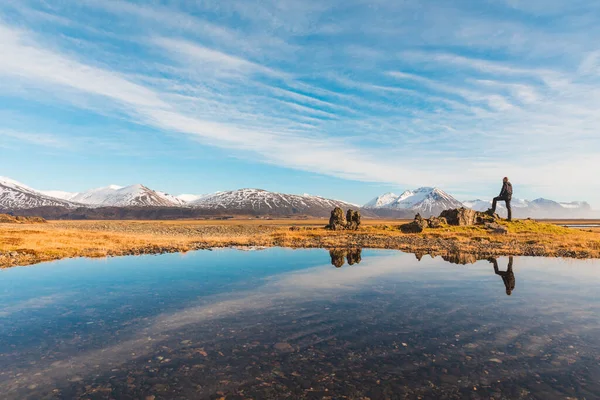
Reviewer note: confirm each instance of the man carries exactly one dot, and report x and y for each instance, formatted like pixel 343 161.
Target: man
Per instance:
pixel 506 196
pixel 508 276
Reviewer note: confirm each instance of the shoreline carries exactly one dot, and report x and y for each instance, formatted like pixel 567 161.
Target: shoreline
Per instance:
pixel 30 244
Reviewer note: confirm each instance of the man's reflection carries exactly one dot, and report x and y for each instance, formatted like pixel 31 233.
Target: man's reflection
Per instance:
pixel 508 276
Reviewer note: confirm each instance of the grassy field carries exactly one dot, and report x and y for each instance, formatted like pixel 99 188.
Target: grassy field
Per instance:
pixel 23 244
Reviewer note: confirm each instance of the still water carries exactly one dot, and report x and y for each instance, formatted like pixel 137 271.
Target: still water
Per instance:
pixel 296 324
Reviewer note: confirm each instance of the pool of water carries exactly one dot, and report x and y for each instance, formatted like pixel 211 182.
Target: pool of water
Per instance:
pixel 294 324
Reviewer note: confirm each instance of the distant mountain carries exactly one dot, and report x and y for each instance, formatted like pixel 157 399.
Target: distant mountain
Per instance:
pixel 58 194
pixel 17 196
pixel 188 198
pixel 139 201
pixel 538 208
pixel 426 201
pixel 258 201
pixel 128 196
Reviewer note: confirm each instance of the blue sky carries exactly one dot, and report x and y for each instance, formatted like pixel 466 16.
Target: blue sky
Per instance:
pixel 345 99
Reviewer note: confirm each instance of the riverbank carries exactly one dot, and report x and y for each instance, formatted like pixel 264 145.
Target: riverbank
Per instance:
pixel 29 244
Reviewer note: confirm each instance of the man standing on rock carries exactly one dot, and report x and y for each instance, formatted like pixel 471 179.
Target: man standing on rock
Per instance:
pixel 506 196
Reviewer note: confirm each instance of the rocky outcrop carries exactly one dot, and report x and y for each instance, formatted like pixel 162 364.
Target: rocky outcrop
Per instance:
pixel 436 222
pixel 352 220
pixel 459 216
pixel 420 224
pixel 338 221
pixel 417 226
pixel 466 217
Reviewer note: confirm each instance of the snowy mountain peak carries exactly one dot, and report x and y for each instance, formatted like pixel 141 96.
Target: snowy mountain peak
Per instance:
pixel 259 200
pixel 424 200
pixel 382 201
pixel 136 195
pixel 15 196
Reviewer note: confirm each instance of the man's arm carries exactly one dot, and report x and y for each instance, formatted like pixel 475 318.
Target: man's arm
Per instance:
pixel 504 190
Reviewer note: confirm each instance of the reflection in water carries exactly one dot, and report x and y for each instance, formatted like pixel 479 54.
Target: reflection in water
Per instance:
pixel 460 258
pixel 352 255
pixel 508 276
pixel 283 324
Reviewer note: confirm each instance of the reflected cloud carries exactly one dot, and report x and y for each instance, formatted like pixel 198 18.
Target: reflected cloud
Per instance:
pixel 303 296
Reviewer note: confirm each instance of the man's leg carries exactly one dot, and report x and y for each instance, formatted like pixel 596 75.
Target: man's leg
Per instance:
pixel 507 201
pixel 494 202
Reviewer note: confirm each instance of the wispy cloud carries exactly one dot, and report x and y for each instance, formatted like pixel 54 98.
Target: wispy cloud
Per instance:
pixel 396 94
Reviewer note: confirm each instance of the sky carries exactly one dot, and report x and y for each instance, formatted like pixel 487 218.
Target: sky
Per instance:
pixel 346 99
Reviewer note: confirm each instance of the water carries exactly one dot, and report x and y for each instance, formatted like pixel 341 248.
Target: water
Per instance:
pixel 285 323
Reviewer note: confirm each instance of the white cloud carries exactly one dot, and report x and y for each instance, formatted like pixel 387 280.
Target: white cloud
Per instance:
pixel 443 101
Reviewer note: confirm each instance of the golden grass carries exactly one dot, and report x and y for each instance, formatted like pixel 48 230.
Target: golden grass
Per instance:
pixel 28 244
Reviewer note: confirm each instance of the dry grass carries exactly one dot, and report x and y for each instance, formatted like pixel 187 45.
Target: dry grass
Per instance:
pixel 28 244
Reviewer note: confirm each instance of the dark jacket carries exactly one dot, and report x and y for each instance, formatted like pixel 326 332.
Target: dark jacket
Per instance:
pixel 506 192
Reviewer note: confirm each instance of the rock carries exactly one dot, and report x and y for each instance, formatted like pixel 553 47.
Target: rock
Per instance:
pixel 436 222
pixel 337 221
pixel 417 226
pixel 283 347
pixel 466 217
pixel 354 256
pixel 337 257
pixel 352 219
pixel 496 228
pixel 488 216
pixel 459 216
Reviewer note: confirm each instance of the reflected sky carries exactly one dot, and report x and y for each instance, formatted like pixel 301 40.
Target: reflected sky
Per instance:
pixel 280 323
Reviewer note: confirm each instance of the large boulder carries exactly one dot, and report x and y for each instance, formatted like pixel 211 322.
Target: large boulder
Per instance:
pixel 459 216
pixel 352 219
pixel 465 217
pixel 337 221
pixel 417 226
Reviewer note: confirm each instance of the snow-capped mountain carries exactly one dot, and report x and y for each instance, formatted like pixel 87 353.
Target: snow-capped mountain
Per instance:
pixel 265 202
pixel 538 208
pixel 17 196
pixel 426 201
pixel 59 194
pixel 128 196
pixel 385 200
pixel 188 198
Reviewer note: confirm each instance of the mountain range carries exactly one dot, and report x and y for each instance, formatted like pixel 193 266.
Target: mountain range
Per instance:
pixel 139 201
pixel 426 201
pixel 100 202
